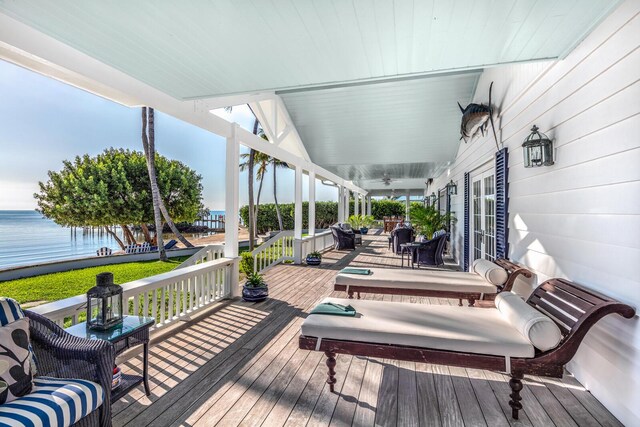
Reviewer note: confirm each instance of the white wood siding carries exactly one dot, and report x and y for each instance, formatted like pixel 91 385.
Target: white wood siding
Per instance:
pixel 580 218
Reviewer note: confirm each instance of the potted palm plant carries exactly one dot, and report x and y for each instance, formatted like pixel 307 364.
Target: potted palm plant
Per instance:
pixel 255 289
pixel 314 258
pixel 367 222
pixel 427 220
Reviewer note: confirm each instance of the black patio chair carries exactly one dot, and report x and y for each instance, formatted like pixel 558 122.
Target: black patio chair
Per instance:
pixel 401 235
pixel 343 239
pixel 61 355
pixel 430 252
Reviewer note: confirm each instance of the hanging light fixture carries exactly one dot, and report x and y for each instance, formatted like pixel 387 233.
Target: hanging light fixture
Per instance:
pixel 452 188
pixel 537 149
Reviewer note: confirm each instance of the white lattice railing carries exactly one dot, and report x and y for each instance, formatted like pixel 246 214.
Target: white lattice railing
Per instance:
pixel 275 250
pixel 320 242
pixel 207 253
pixel 167 297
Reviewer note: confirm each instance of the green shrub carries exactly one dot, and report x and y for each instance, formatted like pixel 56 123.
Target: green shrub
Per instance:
pixel 326 213
pixel 246 263
pixel 382 208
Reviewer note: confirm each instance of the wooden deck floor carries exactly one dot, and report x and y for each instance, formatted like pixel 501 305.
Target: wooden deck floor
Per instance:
pixel 239 365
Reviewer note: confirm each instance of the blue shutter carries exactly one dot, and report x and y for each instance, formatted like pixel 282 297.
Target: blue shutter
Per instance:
pixel 465 250
pixel 502 203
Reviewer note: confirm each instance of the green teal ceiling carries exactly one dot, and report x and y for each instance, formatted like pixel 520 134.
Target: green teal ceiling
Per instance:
pixel 194 49
pixel 402 129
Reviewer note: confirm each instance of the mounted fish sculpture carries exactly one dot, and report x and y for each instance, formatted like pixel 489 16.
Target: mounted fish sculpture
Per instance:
pixel 476 117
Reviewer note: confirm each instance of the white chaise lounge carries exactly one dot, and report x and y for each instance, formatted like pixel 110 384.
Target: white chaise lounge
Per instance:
pixel 485 279
pixel 536 337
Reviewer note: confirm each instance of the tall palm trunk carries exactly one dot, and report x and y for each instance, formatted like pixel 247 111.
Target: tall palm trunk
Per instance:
pixel 155 192
pixel 258 201
pixel 275 196
pixel 252 212
pixel 163 208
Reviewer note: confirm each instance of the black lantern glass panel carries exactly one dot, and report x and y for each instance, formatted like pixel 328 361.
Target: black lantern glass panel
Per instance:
pixel 104 303
pixel 452 188
pixel 537 149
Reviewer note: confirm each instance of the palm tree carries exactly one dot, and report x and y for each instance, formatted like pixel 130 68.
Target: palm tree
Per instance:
pixel 148 143
pixel 276 163
pixel 155 191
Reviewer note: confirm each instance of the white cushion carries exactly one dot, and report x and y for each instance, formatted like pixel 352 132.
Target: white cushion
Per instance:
pixel 463 329
pixel 492 273
pixel 539 329
pixel 432 280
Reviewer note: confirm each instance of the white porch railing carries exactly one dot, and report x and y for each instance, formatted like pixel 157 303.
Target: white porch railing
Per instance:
pixel 275 250
pixel 207 253
pixel 320 242
pixel 167 297
pixel 281 247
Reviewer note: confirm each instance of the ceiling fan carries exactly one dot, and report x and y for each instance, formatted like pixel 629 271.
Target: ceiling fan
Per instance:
pixel 386 179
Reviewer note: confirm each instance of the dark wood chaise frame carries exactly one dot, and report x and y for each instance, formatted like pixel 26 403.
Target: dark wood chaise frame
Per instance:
pixel 514 270
pixel 573 308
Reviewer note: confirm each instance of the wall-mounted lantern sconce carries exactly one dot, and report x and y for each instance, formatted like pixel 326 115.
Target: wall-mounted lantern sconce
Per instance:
pixel 452 188
pixel 537 149
pixel 433 198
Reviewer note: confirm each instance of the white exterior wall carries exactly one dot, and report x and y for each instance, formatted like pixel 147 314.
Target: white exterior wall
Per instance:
pixel 580 218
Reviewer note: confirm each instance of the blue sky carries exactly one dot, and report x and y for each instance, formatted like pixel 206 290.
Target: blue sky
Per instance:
pixel 44 121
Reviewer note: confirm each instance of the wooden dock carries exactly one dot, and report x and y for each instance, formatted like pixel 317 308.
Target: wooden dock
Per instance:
pixel 239 364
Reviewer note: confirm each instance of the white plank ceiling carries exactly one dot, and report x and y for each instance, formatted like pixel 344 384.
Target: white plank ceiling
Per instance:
pixel 409 125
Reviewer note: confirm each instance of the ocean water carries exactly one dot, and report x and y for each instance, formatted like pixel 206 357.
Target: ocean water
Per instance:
pixel 27 238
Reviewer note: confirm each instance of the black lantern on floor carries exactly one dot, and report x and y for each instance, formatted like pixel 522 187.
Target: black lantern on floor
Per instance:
pixel 452 188
pixel 537 149
pixel 104 303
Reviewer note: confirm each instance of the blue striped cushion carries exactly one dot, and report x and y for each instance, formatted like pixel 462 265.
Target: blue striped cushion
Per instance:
pixel 10 311
pixel 53 402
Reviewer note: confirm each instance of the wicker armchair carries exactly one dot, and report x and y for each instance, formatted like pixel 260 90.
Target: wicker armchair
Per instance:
pixel 430 253
pixel 401 235
pixel 61 355
pixel 343 239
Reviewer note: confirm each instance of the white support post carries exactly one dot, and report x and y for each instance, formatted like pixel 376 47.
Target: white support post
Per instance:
pixel 312 208
pixel 340 203
pixel 368 205
pixel 356 203
pixel 363 201
pixel 407 206
pixel 347 204
pixel 231 206
pixel 297 217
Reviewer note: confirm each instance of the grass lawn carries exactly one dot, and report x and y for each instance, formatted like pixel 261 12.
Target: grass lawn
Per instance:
pixel 56 286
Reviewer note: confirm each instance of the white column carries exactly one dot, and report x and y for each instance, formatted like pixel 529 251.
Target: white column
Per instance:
pixel 363 200
pixel 347 196
pixel 231 206
pixel 340 204
pixel 368 205
pixel 356 203
pixel 312 208
pixel 297 217
pixel 407 205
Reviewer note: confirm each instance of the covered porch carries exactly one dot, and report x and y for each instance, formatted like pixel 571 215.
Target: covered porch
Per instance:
pixel 239 364
pixel 364 97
